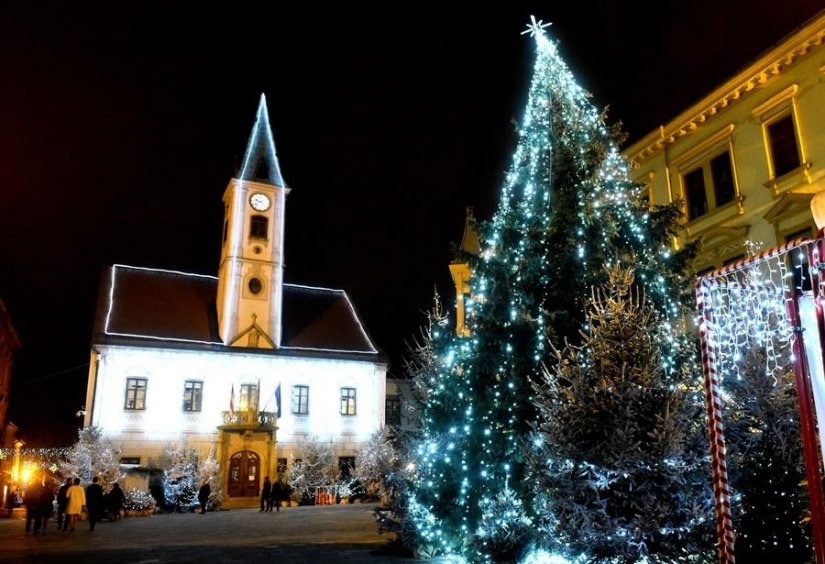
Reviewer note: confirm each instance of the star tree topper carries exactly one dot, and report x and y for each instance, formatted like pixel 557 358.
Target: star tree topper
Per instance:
pixel 535 27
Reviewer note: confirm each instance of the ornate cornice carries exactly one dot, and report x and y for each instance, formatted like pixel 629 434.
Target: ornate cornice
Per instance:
pixel 773 63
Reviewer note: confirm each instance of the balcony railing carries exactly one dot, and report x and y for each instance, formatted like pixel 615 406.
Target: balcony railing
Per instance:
pixel 248 418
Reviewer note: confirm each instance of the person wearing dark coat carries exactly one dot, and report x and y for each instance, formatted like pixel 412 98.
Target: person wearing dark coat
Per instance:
pixel 45 508
pixel 203 496
pixel 94 502
pixel 32 498
pixel 266 495
pixel 116 501
pixel 277 494
pixel 62 501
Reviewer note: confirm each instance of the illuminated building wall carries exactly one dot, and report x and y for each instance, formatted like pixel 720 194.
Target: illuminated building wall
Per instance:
pixel 181 355
pixel 163 416
pixel 747 158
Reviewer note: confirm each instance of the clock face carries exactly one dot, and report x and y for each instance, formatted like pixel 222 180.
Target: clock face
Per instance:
pixel 259 202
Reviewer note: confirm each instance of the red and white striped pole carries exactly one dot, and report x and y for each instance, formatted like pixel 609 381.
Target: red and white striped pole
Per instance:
pixel 716 433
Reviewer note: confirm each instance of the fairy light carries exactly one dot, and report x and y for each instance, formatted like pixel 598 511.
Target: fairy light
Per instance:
pixel 747 325
pixel 543 249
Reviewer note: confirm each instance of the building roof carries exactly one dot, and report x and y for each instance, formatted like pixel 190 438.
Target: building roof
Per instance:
pixel 146 306
pixel 260 161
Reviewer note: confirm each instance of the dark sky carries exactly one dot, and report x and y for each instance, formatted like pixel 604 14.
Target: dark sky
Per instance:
pixel 121 125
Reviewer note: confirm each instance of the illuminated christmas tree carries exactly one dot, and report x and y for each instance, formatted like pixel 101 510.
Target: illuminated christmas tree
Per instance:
pixel 567 209
pixel 615 472
pixel 765 463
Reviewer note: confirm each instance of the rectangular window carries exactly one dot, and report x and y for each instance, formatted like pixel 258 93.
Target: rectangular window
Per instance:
pixel 130 460
pixel 393 410
pixel 347 401
pixel 258 227
pixel 249 397
pixel 135 393
pixel 697 202
pixel 709 185
pixel 192 393
pixel 783 146
pixel 721 171
pixel 280 468
pixel 300 400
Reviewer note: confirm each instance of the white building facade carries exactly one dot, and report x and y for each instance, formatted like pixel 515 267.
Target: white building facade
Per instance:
pixel 240 364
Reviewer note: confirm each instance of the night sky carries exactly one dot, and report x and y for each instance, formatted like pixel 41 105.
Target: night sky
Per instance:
pixel 120 127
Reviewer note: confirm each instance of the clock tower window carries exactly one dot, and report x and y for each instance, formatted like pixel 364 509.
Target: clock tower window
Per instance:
pixel 258 227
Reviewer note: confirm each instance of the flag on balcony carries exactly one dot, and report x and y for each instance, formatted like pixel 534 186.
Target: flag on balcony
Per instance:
pixel 278 401
pixel 232 402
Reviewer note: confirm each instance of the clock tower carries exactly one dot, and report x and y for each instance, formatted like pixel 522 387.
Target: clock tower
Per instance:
pixel 250 276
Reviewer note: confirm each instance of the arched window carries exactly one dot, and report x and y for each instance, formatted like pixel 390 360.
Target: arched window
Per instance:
pixel 259 226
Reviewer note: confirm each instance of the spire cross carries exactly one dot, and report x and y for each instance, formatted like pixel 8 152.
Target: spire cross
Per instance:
pixel 535 28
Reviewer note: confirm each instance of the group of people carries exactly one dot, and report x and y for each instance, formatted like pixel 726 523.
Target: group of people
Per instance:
pixel 72 499
pixel 273 494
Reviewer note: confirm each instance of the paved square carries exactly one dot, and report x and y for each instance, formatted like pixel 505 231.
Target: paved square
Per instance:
pixel 319 534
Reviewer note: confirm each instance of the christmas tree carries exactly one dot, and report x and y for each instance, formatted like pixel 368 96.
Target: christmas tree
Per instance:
pixel 615 473
pixel 93 455
pixel 181 478
pixel 567 209
pixel 765 462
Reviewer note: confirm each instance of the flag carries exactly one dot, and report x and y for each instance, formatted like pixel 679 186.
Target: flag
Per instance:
pixel 232 402
pixel 278 400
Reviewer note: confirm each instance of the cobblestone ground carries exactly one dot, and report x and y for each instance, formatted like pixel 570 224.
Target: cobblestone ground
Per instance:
pixel 339 534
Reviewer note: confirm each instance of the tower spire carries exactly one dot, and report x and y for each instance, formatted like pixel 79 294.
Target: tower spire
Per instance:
pixel 260 161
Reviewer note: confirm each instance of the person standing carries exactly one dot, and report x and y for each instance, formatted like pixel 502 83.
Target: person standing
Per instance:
pixel 32 498
pixel 76 501
pixel 94 502
pixel 45 507
pixel 277 493
pixel 203 496
pixel 116 501
pixel 266 495
pixel 62 500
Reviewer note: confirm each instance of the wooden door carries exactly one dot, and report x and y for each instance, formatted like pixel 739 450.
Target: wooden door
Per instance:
pixel 244 474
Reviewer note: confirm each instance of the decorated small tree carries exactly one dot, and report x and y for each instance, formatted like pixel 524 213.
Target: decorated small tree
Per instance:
pixel 766 464
pixel 374 463
pixel 314 466
pixel 181 461
pixel 616 476
pixel 209 471
pixel 92 455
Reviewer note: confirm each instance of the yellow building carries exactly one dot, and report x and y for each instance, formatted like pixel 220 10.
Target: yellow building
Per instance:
pixel 460 269
pixel 748 157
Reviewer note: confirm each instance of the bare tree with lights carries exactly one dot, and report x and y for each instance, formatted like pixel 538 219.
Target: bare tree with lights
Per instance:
pixel 314 467
pixel 93 455
pixel 181 476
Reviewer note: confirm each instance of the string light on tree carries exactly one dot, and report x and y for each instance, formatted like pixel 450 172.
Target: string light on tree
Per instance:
pixel 566 209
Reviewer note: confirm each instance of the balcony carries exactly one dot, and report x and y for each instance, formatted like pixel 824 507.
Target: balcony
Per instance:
pixel 249 419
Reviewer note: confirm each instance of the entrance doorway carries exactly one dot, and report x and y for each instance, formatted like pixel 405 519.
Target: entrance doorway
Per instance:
pixel 244 474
